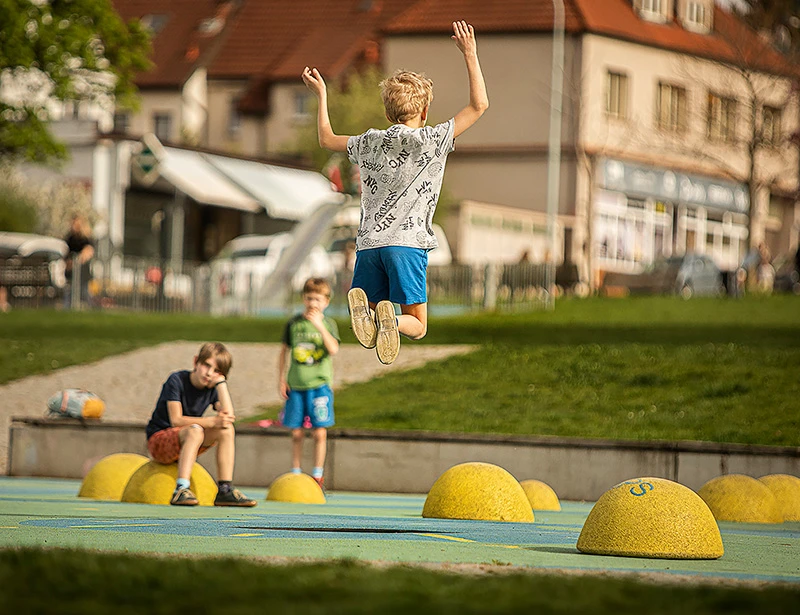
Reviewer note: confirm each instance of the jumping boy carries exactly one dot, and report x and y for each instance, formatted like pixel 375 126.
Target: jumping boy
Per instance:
pixel 178 431
pixel 310 340
pixel 401 178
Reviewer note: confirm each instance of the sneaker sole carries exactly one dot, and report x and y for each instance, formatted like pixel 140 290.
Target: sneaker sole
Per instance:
pixel 360 318
pixel 388 342
pixel 237 504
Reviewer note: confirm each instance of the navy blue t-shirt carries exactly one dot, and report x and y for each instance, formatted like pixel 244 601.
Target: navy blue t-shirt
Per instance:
pixel 179 387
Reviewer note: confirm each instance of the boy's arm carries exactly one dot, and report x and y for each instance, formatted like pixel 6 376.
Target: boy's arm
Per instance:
pixel 327 138
pixel 283 387
pixel 177 418
pixel 464 36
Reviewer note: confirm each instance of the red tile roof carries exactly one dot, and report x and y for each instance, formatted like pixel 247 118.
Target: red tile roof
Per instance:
pixel 187 39
pixel 731 40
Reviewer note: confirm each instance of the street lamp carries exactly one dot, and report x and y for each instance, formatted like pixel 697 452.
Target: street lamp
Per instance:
pixel 554 145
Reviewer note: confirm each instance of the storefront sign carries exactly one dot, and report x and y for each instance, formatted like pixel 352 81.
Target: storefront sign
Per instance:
pixel 673 186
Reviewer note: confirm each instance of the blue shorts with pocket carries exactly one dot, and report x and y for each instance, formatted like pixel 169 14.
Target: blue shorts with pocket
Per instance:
pixel 317 404
pixel 396 273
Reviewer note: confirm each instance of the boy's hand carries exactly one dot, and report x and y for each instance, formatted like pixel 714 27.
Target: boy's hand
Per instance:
pixel 464 36
pixel 314 81
pixel 283 389
pixel 315 317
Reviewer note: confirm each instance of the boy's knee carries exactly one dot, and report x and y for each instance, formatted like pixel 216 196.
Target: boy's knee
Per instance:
pixel 194 432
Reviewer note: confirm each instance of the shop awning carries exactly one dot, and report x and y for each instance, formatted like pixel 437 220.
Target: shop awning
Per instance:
pixel 246 185
pixel 292 194
pixel 191 174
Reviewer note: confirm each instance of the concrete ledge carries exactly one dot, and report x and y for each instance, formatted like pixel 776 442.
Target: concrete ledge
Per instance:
pixel 409 461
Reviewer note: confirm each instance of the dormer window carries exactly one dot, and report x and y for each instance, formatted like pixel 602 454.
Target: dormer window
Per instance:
pixel 697 16
pixel 652 10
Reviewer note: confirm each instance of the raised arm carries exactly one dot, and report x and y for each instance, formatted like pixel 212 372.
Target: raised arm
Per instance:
pixel 327 138
pixel 464 37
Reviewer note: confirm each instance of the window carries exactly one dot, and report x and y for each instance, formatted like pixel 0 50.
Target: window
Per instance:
pixel 671 107
pixel 771 126
pixel 121 122
pixel 234 118
pixel 652 10
pixel 617 95
pixel 302 106
pixel 721 118
pixel 162 126
pixel 696 14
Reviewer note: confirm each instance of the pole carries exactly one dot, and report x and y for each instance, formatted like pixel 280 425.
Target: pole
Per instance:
pixel 554 145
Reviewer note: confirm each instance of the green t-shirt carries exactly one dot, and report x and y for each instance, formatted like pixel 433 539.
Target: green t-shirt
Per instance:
pixel 310 365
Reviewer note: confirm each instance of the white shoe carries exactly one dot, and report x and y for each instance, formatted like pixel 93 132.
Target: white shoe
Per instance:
pixel 362 319
pixel 388 342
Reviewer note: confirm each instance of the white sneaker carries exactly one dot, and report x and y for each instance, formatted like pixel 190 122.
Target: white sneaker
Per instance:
pixel 362 319
pixel 388 342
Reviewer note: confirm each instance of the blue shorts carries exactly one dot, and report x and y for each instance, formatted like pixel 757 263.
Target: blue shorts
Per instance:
pixel 396 273
pixel 317 404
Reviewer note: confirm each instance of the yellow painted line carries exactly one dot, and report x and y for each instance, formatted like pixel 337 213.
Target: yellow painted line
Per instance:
pixel 9 527
pixel 456 539
pixel 245 535
pixel 86 509
pixel 82 527
pixel 453 538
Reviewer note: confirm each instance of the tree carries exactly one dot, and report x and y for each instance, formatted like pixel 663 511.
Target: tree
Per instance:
pixel 354 105
pixel 56 51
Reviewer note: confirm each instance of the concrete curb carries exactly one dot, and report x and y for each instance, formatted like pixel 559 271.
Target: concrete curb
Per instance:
pixel 407 461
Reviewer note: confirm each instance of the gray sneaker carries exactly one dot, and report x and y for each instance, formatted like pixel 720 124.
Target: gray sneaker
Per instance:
pixel 388 342
pixel 362 319
pixel 184 497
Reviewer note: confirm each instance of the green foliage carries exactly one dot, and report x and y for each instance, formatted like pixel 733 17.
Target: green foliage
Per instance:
pixel 76 50
pixel 354 106
pixel 17 211
pixel 91 583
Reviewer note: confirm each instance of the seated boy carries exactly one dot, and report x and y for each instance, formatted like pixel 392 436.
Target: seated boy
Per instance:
pixel 178 431
pixel 401 178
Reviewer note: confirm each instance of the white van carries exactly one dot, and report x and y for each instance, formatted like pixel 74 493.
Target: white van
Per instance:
pixel 245 262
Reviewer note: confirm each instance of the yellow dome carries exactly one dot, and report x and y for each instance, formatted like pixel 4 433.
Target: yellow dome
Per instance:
pixel 651 517
pixel 540 495
pixel 736 497
pixel 108 477
pixel 478 491
pixel 154 483
pixel 298 488
pixel 786 489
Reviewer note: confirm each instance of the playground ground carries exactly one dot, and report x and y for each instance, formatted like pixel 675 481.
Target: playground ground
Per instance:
pixel 367 527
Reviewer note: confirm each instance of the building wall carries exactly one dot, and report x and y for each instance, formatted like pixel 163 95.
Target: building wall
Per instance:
pixel 158 101
pixel 221 98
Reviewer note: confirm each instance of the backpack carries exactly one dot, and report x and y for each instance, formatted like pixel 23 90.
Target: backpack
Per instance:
pixel 75 403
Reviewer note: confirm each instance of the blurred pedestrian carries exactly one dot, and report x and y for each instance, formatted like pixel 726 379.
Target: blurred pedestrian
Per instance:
pixel 81 251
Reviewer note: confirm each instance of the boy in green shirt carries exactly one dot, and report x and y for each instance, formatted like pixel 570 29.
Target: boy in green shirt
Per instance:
pixel 310 340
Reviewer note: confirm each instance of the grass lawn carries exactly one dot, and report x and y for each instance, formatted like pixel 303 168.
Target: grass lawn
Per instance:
pixel 88 583
pixel 651 368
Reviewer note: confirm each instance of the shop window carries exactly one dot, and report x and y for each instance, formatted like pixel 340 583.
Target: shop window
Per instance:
pixel 671 107
pixel 721 122
pixel 617 95
pixel 771 126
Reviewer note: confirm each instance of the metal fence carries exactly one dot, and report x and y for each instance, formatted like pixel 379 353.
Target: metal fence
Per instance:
pixel 150 286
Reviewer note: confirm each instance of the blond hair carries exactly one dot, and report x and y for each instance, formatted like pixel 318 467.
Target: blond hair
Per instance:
pixel 216 351
pixel 405 95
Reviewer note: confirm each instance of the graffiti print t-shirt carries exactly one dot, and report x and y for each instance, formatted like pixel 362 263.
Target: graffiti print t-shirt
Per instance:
pixel 401 178
pixel 311 366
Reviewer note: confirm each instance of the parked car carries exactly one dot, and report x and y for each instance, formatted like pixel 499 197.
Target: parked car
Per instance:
pixel 245 262
pixel 688 275
pixel 787 277
pixel 31 267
